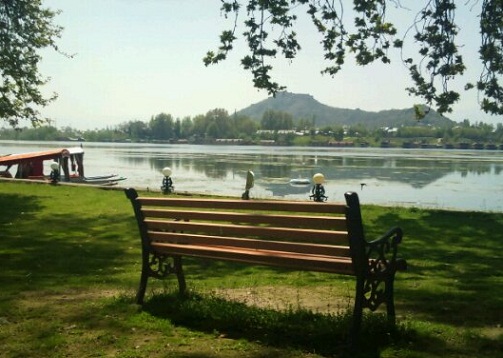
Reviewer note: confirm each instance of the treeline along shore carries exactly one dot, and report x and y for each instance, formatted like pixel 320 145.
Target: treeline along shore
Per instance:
pixel 275 128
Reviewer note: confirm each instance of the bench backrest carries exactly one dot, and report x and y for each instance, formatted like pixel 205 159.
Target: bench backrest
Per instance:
pixel 291 226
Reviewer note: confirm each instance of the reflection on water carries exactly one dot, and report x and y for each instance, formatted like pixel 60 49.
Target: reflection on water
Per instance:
pixel 467 180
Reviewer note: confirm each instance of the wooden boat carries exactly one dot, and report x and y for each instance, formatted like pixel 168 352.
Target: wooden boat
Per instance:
pixel 30 165
pixel 70 161
pixel 111 179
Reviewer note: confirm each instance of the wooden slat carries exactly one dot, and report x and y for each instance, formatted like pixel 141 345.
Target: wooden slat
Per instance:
pixel 314 249
pixel 293 234
pixel 262 257
pixel 231 204
pixel 315 222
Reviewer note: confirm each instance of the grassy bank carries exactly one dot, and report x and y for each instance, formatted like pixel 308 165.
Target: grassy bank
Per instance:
pixel 70 263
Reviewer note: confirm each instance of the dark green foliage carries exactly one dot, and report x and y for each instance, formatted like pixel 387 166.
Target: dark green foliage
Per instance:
pixel 276 120
pixel 25 28
pixel 491 54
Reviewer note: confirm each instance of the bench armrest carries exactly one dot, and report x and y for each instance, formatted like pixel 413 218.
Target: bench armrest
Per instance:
pixel 395 234
pixel 383 251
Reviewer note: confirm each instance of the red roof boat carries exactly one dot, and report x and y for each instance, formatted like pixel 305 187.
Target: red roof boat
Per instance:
pixel 31 166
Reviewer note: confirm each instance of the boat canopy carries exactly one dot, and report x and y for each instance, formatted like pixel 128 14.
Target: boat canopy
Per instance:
pixel 30 165
pixel 12 159
pixel 75 150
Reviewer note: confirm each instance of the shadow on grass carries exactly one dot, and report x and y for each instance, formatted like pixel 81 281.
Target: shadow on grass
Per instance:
pixel 13 205
pixel 454 273
pixel 300 329
pixel 46 244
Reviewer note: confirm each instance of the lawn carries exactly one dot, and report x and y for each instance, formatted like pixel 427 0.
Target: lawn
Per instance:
pixel 70 263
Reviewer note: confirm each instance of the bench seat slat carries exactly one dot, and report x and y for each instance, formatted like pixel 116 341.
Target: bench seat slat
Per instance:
pixel 194 239
pixel 314 222
pixel 231 204
pixel 293 234
pixel 262 257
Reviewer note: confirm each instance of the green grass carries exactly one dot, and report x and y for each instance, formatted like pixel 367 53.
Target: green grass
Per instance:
pixel 70 264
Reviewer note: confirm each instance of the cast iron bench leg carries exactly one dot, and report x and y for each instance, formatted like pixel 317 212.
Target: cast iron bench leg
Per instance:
pixel 354 332
pixel 390 302
pixel 143 284
pixel 182 286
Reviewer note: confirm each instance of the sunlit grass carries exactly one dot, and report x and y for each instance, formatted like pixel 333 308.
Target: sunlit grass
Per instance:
pixel 70 264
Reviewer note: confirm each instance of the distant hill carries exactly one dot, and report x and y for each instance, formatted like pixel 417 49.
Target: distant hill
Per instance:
pixel 305 106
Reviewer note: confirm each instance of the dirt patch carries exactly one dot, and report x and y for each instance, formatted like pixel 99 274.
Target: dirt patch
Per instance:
pixel 39 299
pixel 321 299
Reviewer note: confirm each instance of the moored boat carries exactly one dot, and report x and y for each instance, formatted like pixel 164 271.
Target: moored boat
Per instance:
pixel 67 162
pixel 112 179
pixel 300 181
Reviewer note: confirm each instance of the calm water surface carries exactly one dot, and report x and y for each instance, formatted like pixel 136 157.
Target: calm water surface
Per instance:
pixel 445 179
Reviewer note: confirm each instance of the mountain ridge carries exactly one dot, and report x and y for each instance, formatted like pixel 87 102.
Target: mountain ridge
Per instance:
pixel 307 107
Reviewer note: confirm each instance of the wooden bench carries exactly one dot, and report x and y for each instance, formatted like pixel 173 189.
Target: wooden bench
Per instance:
pixel 309 236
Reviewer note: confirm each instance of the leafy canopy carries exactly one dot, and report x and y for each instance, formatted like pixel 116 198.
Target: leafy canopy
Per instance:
pixel 369 38
pixel 25 29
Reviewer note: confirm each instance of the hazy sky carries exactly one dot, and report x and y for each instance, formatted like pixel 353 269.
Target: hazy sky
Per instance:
pixel 138 58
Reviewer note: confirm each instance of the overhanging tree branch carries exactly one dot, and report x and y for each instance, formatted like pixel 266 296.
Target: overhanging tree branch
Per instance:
pixel 25 29
pixel 370 39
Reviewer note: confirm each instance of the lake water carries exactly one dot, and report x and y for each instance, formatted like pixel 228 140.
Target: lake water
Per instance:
pixel 427 178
